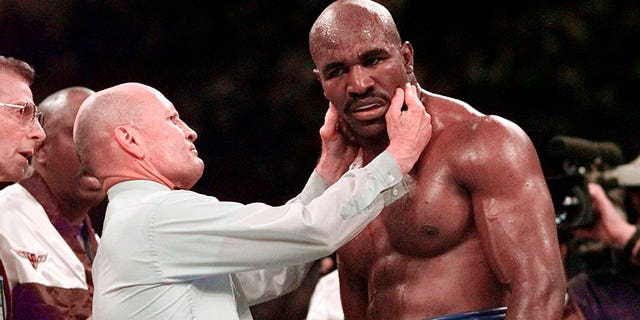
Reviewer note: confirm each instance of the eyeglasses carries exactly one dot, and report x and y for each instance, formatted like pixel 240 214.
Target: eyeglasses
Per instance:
pixel 28 112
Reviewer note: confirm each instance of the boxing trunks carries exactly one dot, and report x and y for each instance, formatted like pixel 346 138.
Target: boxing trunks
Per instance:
pixel 489 314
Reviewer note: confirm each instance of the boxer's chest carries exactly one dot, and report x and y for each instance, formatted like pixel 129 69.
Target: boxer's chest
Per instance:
pixel 433 217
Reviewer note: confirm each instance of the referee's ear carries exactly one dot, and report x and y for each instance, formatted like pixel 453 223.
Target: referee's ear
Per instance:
pixel 127 140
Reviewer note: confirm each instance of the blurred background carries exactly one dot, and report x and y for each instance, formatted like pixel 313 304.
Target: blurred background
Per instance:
pixel 239 72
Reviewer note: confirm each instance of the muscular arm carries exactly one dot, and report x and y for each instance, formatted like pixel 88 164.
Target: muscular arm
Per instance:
pixel 514 217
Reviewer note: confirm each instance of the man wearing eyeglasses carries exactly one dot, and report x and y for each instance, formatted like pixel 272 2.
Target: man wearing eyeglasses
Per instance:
pixel 20 130
pixel 47 243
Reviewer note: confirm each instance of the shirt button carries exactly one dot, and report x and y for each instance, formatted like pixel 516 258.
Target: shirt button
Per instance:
pixel 395 191
pixel 391 178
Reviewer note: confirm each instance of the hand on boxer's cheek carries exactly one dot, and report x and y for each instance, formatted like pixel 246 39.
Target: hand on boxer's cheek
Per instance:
pixel 347 133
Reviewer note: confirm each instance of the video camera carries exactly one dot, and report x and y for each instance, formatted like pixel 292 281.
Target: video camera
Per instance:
pixel 585 161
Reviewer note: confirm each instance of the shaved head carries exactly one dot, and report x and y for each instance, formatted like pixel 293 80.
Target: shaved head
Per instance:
pixel 362 18
pixel 57 105
pixel 132 131
pixel 101 113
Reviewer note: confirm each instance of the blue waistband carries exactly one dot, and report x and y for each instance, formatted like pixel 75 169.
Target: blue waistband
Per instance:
pixel 489 314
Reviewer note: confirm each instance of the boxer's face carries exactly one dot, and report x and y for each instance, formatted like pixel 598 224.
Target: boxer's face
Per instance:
pixel 359 68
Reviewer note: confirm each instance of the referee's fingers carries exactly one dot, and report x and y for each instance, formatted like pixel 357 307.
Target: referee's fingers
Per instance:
pixel 411 98
pixel 395 107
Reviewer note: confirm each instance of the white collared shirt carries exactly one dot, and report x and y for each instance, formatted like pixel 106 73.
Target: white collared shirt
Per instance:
pixel 169 254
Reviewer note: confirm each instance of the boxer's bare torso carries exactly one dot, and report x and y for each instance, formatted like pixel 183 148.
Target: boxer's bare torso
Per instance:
pixel 437 250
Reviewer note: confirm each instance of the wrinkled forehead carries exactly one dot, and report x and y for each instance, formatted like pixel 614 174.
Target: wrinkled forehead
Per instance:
pixel 14 88
pixel 337 27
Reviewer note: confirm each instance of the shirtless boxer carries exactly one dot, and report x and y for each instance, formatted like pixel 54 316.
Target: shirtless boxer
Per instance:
pixel 476 233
